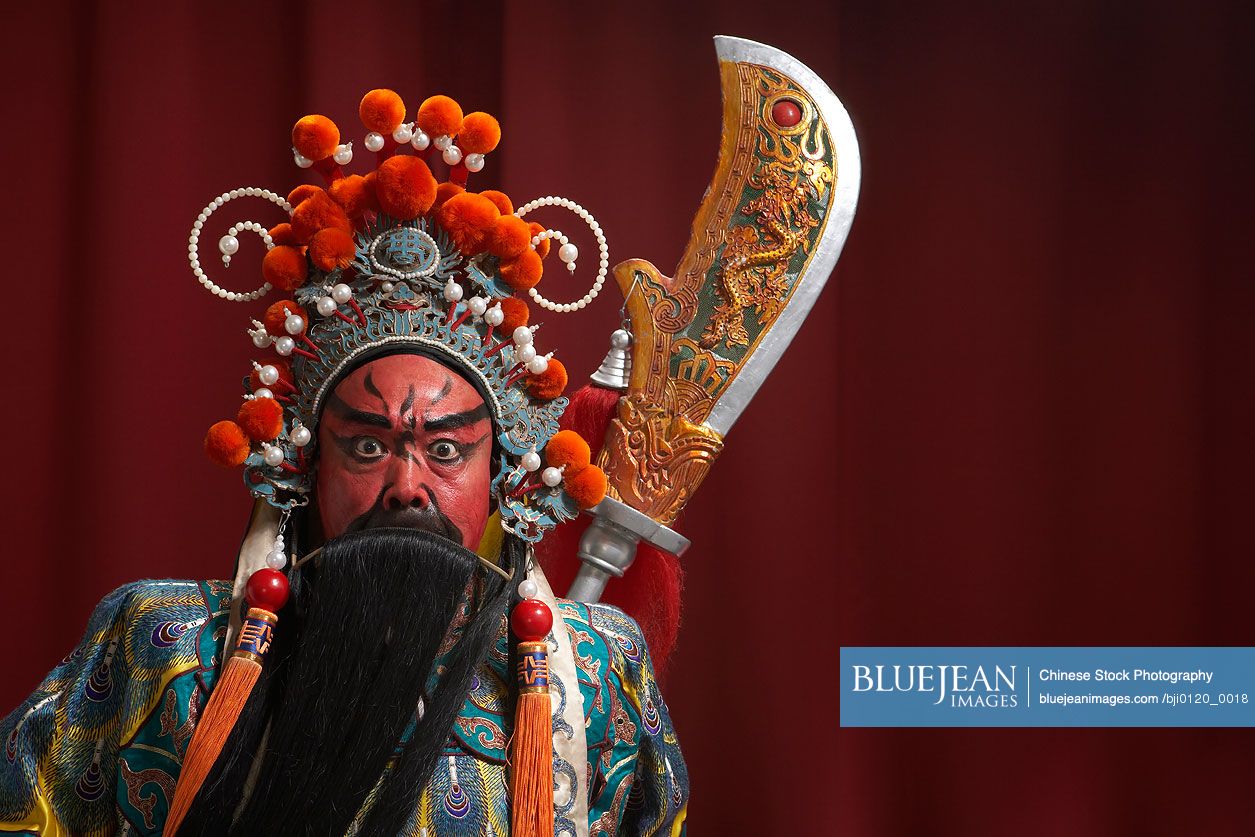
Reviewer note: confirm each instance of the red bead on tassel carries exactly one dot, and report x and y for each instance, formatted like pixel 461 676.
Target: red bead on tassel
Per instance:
pixel 266 594
pixel 531 746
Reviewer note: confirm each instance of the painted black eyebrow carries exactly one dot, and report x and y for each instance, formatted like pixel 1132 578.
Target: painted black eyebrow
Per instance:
pixel 456 420
pixel 344 411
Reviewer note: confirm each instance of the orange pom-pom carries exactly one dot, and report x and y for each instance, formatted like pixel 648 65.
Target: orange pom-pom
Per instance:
pixel 331 248
pixel 315 137
pixel 285 375
pixel 261 419
pixel 381 110
pixel 440 116
pixel 354 193
pixel 524 272
pixel 510 236
pixel 542 249
pixel 318 212
pixel 300 193
pixel 480 133
pixel 516 314
pixel 277 314
pixel 445 191
pixel 500 200
pixel 567 449
pixel 468 218
pixel 549 384
pixel 285 267
pixel 586 487
pixel 226 444
pixel 404 187
pixel 282 234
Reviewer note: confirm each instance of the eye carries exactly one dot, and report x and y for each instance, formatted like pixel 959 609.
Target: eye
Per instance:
pixel 368 448
pixel 444 450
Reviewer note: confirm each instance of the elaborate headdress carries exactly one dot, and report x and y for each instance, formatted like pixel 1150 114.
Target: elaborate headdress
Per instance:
pixel 385 262
pixel 394 260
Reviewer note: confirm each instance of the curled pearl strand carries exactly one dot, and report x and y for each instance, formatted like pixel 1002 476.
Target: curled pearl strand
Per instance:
pixel 193 240
pixel 603 252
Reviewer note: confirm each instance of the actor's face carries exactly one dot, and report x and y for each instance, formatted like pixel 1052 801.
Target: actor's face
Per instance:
pixel 405 442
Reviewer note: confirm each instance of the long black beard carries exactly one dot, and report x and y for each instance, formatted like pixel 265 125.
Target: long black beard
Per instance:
pixel 351 658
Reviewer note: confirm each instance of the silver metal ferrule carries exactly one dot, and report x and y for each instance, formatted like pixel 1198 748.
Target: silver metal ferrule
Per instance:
pixel 608 547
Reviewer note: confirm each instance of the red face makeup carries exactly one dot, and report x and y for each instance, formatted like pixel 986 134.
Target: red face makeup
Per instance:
pixel 404 441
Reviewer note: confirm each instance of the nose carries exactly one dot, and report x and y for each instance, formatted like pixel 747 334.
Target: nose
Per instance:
pixel 408 485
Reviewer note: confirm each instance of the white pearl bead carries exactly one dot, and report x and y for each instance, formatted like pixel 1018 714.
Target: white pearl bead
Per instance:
pixel 568 252
pixel 294 324
pixel 261 339
pixel 302 162
pixel 525 353
pixel 273 455
pixel 621 339
pixel 403 134
pixel 538 364
pixel 528 589
pixel 551 476
pixel 326 306
pixel 229 245
pixel 342 293
pixel 387 287
pixel 262 392
pixel 420 141
pixel 285 345
pixel 276 560
pixel 269 375
pixel 474 162
pixel 452 291
pixel 443 141
pixel 344 154
pixel 522 335
pixel 478 305
pixel 494 316
pixel 452 155
pixel 300 435
pixel 531 461
pixel 373 141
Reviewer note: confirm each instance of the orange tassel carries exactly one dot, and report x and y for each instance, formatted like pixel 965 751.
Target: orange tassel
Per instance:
pixel 225 704
pixel 531 778
pixel 531 746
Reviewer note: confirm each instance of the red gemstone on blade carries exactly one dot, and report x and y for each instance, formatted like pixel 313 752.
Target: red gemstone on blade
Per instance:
pixel 786 113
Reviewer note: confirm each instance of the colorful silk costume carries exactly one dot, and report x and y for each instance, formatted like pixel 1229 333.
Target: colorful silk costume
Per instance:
pixel 97 748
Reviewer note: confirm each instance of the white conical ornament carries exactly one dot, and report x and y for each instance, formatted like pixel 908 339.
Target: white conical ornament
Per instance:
pixel 616 367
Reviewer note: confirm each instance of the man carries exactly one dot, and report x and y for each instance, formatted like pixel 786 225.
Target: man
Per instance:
pixel 357 677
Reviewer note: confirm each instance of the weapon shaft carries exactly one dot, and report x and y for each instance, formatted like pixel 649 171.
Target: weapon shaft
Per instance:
pixel 608 546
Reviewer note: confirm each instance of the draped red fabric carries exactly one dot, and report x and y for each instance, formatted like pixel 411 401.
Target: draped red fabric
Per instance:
pixel 1020 414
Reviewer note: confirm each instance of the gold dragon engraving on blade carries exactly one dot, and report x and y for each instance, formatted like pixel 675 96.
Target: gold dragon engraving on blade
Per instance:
pixel 753 279
pixel 670 454
pixel 771 190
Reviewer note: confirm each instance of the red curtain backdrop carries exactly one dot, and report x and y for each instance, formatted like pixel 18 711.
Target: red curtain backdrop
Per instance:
pixel 1020 414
